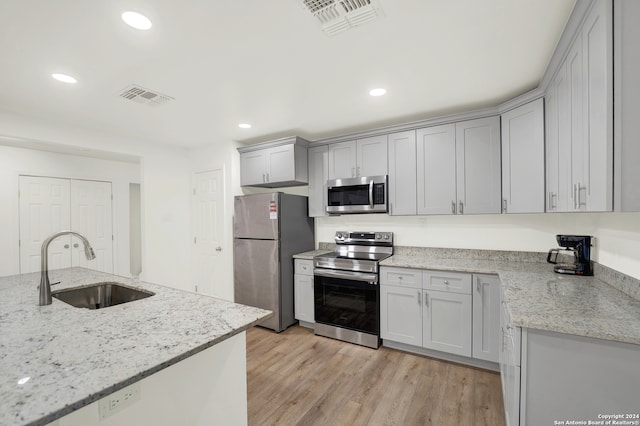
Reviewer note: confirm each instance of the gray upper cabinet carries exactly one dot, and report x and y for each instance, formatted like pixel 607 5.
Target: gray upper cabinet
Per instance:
pixel 523 159
pixel 274 164
pixel 318 175
pixel 459 168
pixel 364 157
pixel 579 114
pixel 627 105
pixel 478 166
pixel 436 170
pixel 402 173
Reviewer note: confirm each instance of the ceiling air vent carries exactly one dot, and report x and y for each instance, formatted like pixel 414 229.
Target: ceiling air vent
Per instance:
pixel 141 95
pixel 336 16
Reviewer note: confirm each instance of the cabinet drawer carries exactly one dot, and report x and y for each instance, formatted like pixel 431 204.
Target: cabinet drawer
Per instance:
pixel 404 277
pixel 454 282
pixel 304 266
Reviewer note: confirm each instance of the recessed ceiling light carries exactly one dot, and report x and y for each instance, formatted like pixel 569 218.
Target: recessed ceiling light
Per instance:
pixel 64 78
pixel 377 92
pixel 136 20
pixel 244 125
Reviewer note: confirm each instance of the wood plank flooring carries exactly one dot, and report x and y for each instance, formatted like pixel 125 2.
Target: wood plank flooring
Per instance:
pixel 297 378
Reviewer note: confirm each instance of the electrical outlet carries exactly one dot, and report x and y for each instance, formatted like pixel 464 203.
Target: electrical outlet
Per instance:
pixel 119 400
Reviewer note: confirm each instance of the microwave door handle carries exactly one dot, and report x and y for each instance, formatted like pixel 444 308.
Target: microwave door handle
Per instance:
pixel 371 194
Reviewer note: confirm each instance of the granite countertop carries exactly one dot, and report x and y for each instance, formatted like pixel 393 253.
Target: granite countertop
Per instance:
pixel 537 298
pixel 309 255
pixel 75 356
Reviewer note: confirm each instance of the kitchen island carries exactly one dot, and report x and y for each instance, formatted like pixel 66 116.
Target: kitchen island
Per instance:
pixel 58 359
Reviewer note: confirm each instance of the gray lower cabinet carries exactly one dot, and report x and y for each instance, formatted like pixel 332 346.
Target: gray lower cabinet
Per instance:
pixel 318 175
pixel 627 105
pixel 486 317
pixel 427 309
pixel 549 377
pixel 303 291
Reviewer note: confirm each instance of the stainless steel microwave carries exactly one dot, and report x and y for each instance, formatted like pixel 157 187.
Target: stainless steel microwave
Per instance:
pixel 366 194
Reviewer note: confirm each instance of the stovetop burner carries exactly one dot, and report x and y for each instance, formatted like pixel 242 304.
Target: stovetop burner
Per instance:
pixel 357 251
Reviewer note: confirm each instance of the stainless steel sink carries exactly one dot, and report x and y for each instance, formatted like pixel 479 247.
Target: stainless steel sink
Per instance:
pixel 100 295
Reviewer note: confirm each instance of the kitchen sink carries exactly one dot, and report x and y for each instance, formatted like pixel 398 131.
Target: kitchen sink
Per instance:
pixel 100 295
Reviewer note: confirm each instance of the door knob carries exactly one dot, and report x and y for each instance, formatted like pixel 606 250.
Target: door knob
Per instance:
pixel 218 248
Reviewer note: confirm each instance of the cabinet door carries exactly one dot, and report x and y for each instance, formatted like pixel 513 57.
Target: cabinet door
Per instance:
pixel 562 84
pixel 447 322
pixel 281 163
pixel 627 105
pixel 577 160
pixel 342 160
pixel 597 186
pixel 523 159
pixel 436 170
pixel 478 166
pixel 371 156
pixel 303 300
pixel 486 317
pixel 401 314
pixel 253 167
pixel 318 175
pixel 402 173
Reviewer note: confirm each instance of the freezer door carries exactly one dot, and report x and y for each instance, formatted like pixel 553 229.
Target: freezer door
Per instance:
pixel 256 216
pixel 257 277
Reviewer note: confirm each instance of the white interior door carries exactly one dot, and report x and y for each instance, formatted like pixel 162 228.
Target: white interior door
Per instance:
pixel 92 217
pixel 44 210
pixel 209 255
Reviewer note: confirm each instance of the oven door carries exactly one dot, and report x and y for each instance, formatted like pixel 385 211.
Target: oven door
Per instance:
pixel 348 300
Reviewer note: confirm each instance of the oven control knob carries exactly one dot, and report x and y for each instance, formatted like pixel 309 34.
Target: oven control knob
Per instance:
pixel 378 236
pixel 386 237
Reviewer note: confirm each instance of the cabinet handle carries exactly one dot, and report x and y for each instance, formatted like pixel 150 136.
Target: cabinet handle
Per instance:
pixel 419 298
pixel 461 209
pixel 575 196
pixel 453 207
pixel 353 172
pixel 580 188
pixel 478 285
pixel 357 171
pixel 263 179
pixel 267 177
pixel 426 299
pixel 504 205
pixel 446 282
pixel 551 204
pixel 391 208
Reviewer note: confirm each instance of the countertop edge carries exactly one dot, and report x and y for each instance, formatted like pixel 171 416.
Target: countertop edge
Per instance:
pixel 68 409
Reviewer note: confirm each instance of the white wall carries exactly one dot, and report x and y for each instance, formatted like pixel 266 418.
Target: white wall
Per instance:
pixel 164 185
pixel 617 242
pixel 17 161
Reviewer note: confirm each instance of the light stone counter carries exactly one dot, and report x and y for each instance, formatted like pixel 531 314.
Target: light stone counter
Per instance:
pixel 75 356
pixel 538 298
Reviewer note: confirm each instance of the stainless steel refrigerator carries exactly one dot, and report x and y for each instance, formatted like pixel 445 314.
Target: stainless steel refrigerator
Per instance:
pixel 268 230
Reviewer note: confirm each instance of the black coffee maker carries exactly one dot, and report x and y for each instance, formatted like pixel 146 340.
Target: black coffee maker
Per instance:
pixel 580 246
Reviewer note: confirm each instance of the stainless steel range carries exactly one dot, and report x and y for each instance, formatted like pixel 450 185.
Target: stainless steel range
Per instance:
pixel 346 290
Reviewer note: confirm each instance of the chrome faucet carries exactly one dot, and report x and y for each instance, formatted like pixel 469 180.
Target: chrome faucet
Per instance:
pixel 45 285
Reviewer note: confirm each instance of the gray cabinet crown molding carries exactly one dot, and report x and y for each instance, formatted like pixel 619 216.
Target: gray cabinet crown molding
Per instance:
pixel 278 142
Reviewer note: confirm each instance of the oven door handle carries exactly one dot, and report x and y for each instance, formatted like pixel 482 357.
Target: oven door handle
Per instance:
pixel 354 276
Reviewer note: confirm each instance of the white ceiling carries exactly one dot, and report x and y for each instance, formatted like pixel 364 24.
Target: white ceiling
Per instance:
pixel 268 63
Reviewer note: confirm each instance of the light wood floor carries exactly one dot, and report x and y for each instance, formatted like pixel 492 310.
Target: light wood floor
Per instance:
pixel 297 378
